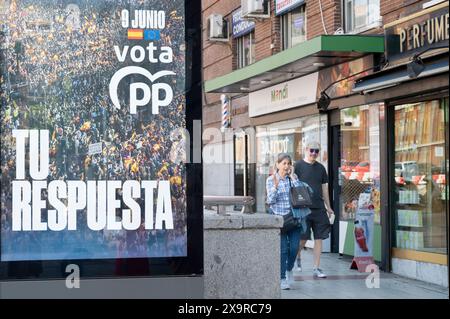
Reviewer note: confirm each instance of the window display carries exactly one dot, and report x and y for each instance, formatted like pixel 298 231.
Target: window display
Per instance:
pixel 286 137
pixel 420 171
pixel 360 153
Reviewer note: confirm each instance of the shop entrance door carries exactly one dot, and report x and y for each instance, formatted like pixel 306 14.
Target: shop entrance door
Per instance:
pixel 358 180
pixel 335 182
pixel 244 167
pixel 240 165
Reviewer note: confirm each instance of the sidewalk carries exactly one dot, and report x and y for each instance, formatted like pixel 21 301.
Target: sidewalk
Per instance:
pixel 344 283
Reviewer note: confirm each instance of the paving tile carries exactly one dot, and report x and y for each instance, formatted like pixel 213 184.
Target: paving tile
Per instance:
pixel 344 283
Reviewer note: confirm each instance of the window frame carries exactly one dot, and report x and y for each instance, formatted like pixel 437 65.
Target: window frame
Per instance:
pixel 286 30
pixel 424 254
pixel 350 18
pixel 240 50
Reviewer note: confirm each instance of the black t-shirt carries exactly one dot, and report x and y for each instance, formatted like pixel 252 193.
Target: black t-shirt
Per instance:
pixel 314 175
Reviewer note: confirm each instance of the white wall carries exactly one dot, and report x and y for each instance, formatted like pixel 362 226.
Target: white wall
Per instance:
pixel 218 177
pixel 432 273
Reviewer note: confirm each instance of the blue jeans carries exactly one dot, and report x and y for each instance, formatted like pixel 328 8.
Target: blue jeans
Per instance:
pixel 289 246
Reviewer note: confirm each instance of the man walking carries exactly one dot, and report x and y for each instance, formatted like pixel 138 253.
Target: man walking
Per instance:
pixel 314 174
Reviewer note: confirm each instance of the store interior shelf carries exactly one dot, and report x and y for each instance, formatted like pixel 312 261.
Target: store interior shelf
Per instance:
pixel 416 146
pixel 402 205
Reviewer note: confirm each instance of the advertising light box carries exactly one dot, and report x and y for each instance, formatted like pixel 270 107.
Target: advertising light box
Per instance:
pixel 93 97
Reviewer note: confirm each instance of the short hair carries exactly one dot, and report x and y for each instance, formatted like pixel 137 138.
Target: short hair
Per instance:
pixel 282 156
pixel 312 144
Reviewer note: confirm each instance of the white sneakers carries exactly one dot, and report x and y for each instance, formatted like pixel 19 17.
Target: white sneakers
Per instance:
pixel 285 284
pixel 298 265
pixel 319 273
pixel 290 276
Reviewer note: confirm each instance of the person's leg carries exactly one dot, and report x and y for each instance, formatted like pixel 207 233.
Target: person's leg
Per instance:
pixel 317 252
pixel 294 240
pixel 298 266
pixel 284 255
pixel 283 260
pixel 321 229
pixel 302 246
pixel 305 236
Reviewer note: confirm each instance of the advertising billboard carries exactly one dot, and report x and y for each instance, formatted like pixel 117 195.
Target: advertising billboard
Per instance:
pixel 91 95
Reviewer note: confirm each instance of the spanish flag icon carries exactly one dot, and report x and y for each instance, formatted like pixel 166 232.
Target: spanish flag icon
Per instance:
pixel 135 34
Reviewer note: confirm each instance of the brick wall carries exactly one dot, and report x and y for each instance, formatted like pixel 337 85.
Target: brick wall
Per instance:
pixel 331 10
pixel 392 10
pixel 276 31
pixel 263 36
pixel 220 58
pixel 217 56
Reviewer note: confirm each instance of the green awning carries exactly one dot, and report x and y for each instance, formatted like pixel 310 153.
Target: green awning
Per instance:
pixel 305 58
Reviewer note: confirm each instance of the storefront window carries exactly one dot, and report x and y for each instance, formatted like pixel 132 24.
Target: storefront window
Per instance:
pixel 286 137
pixel 360 164
pixel 420 177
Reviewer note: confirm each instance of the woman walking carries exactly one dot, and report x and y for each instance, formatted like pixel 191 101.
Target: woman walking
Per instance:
pixel 278 198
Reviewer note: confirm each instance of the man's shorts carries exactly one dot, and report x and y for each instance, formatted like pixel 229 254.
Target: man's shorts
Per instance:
pixel 319 223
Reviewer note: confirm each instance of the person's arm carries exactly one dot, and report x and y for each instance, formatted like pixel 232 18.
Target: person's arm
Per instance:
pixel 326 195
pixel 294 178
pixel 272 189
pixel 326 198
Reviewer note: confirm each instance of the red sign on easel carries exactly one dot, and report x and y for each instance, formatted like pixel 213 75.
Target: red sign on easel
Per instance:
pixel 363 234
pixel 361 263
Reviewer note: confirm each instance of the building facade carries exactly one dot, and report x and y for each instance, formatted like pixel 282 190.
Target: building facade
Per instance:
pixel 379 70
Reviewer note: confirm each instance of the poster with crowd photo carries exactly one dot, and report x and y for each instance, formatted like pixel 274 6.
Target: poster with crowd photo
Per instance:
pixel 91 95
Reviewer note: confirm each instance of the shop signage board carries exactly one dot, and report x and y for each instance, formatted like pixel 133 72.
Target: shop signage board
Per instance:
pixel 287 95
pixel 283 6
pixel 241 26
pixel 335 73
pixel 90 94
pixel 414 34
pixel 271 146
pixel 363 233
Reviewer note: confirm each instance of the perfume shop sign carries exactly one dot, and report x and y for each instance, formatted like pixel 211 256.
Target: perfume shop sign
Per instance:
pixel 418 33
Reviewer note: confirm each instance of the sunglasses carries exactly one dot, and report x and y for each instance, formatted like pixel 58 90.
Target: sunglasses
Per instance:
pixel 314 150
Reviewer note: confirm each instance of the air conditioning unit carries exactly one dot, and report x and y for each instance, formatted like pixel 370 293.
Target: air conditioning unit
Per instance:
pixel 255 8
pixel 218 28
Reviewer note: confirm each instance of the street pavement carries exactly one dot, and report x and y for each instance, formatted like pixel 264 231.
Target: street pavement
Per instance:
pixel 345 283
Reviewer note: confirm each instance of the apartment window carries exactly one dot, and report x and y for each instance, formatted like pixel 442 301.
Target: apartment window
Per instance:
pixel 246 49
pixel 293 27
pixel 361 15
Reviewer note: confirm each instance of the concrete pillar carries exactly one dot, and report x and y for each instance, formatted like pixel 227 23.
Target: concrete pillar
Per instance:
pixel 242 255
